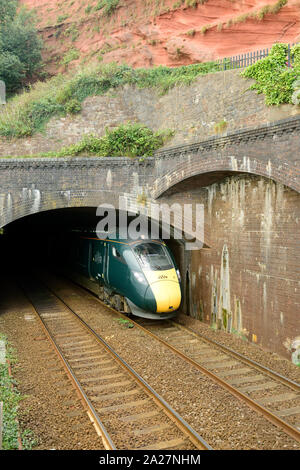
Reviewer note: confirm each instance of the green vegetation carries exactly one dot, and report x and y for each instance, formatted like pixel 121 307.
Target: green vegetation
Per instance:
pixel 73 107
pixel 88 9
pixel 127 140
pixel 220 126
pixel 125 322
pixel 72 32
pixel 109 6
pixel 254 15
pixel 273 77
pixel 28 113
pixel 72 54
pixel 11 399
pixel 205 28
pixel 61 18
pixel 261 13
pixel 296 93
pixel 271 9
pixel 20 47
pixel 191 32
pixel 194 3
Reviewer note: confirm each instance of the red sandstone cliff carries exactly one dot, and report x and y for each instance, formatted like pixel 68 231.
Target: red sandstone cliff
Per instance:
pixel 147 32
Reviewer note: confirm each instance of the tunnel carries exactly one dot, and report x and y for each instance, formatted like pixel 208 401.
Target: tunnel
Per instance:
pixel 35 243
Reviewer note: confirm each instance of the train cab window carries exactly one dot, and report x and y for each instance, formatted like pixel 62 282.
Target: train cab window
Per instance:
pixel 153 256
pixel 96 254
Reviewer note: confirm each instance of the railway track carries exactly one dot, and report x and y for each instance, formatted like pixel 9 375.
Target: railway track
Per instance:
pixel 276 397
pixel 126 412
pixel 272 395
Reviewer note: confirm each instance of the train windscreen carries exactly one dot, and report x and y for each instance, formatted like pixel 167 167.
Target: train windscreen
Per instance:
pixel 153 256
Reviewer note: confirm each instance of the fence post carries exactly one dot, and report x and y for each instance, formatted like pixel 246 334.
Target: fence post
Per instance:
pixel 250 58
pixel 2 93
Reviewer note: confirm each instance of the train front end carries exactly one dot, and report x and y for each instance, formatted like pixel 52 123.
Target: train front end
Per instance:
pixel 162 296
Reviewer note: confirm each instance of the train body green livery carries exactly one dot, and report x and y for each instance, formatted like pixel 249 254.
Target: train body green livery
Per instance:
pixel 138 276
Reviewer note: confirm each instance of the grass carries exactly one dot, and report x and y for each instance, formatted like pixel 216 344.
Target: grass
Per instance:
pixel 11 398
pixel 256 15
pixel 191 32
pixel 61 18
pixel 194 3
pixel 29 112
pixel 125 323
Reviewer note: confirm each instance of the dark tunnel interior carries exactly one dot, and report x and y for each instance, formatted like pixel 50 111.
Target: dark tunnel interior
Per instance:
pixel 31 241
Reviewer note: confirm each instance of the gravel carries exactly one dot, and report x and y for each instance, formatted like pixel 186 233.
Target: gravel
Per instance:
pixel 254 352
pixel 221 419
pixel 50 407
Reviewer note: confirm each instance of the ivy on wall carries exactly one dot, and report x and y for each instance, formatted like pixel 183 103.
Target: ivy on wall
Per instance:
pixel 274 77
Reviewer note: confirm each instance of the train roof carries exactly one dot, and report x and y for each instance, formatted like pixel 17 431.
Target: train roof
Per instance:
pixel 113 236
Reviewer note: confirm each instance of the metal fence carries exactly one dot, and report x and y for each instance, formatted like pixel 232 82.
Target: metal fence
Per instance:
pixel 244 60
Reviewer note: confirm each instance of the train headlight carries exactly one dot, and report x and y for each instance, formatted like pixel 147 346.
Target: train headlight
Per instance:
pixel 178 274
pixel 139 277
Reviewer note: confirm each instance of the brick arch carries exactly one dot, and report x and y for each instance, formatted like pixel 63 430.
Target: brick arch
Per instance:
pixel 26 205
pixel 18 205
pixel 279 170
pixel 34 185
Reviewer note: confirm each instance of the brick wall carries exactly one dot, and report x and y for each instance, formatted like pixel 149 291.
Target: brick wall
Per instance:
pixel 258 221
pixel 28 186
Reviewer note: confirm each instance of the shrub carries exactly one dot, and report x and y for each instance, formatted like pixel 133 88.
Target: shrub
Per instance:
pixel 73 106
pixel 126 140
pixel 41 110
pixel 273 77
pixel 296 92
pixel 132 140
pixel 109 6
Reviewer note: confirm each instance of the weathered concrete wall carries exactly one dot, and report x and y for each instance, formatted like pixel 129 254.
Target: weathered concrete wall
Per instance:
pixel 191 111
pixel 248 281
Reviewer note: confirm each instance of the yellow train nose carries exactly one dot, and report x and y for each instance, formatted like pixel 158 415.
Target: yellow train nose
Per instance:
pixel 167 295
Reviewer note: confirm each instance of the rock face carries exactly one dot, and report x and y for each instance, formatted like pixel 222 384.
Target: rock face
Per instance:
pixel 147 33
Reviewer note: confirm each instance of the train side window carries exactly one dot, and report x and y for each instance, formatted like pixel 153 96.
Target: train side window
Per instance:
pixel 97 256
pixel 116 253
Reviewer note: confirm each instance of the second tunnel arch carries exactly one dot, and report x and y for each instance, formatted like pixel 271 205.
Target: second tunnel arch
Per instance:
pixel 280 171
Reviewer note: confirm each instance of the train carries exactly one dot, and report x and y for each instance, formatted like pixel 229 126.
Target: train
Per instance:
pixel 138 277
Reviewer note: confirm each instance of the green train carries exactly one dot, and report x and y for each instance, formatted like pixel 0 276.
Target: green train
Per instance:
pixel 133 276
